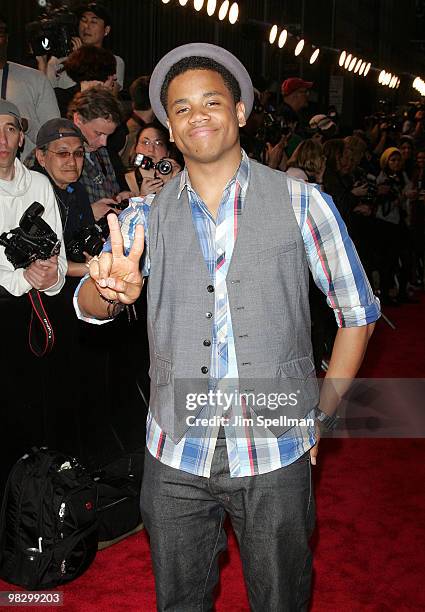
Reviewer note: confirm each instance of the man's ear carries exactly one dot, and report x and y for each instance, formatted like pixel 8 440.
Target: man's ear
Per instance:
pixel 40 157
pixel 76 118
pixel 107 30
pixel 170 131
pixel 240 113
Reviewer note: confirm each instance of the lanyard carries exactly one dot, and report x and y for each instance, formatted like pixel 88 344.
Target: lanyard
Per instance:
pixel 4 81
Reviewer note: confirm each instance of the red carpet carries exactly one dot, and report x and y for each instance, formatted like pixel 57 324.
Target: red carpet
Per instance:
pixel 369 544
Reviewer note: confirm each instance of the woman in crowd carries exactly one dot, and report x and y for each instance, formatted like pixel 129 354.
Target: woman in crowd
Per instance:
pixel 152 142
pixel 307 163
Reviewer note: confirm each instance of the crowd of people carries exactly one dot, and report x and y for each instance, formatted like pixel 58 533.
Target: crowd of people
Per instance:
pixel 72 140
pixel 374 174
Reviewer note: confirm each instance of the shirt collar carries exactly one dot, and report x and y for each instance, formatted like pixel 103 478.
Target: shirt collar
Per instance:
pixel 241 177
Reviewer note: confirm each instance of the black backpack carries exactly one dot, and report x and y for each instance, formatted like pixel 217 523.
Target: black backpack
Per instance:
pixel 48 528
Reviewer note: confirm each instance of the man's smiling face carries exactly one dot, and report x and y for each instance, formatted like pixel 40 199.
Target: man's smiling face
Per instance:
pixel 203 117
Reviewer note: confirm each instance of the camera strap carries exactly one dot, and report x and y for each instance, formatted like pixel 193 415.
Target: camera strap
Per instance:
pixel 4 81
pixel 39 315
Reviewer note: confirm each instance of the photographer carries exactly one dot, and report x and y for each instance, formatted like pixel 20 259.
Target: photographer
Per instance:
pixel 96 112
pixel 60 156
pixel 153 142
pixel 94 25
pixel 22 401
pixel 19 188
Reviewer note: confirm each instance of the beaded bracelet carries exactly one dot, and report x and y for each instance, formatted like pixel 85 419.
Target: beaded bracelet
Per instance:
pixel 114 306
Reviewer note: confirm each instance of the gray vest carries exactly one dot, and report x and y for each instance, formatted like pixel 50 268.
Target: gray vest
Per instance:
pixel 267 284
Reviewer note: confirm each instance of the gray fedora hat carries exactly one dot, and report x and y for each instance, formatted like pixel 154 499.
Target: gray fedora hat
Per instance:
pixel 218 54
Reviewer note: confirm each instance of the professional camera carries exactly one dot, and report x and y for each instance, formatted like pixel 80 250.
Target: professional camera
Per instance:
pixel 89 240
pixel 52 33
pixel 146 163
pixel 33 239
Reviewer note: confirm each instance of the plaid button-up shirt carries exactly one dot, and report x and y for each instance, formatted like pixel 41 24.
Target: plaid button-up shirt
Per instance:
pixel 336 269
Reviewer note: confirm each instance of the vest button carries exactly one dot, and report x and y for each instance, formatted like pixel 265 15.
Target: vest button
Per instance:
pixel 208 315
pixel 207 343
pixel 204 370
pixel 210 289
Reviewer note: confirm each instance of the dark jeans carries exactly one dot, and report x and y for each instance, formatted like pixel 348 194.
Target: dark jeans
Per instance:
pixel 272 516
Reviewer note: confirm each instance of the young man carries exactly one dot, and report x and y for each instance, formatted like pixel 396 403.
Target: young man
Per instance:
pixel 230 243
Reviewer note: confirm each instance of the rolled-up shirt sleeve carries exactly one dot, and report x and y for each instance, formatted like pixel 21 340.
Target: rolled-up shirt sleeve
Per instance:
pixel 334 262
pixel 137 213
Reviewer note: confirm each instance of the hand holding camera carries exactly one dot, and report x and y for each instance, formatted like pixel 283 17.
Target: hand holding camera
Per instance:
pixel 42 274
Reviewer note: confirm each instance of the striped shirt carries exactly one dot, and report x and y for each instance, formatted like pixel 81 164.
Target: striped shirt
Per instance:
pixel 337 271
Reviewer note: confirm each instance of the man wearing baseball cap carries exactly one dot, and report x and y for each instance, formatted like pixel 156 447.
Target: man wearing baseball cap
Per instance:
pixel 60 156
pixel 230 243
pixel 295 94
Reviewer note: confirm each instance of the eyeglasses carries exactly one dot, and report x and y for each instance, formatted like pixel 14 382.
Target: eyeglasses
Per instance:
pixel 67 154
pixel 154 143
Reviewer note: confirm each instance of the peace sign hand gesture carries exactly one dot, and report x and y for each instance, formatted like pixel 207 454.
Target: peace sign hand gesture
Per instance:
pixel 117 276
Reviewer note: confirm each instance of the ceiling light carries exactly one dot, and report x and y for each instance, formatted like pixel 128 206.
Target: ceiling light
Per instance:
pixel 273 34
pixel 211 6
pixel 299 47
pixel 366 70
pixel 314 56
pixel 342 58
pixel 198 4
pixel 223 10
pixel 362 67
pixel 282 39
pixel 234 13
pixel 183 2
pixel 381 76
pixel 357 68
pixel 352 64
pixel 347 60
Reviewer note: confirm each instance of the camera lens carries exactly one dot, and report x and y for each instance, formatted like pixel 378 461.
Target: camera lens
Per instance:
pixel 164 166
